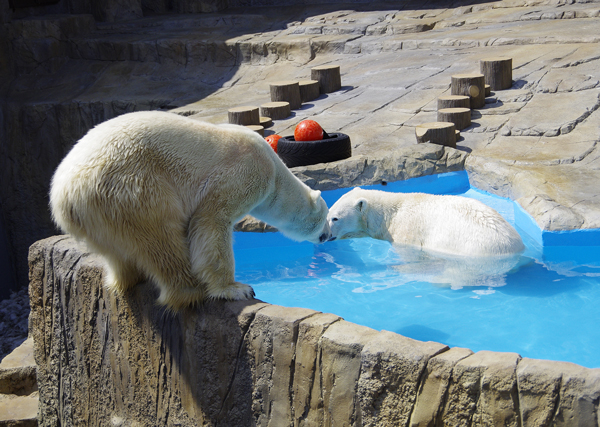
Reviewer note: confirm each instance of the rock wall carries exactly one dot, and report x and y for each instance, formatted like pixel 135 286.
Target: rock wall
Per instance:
pixel 112 10
pixel 123 362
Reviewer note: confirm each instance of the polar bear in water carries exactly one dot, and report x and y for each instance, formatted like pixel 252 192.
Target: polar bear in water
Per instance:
pixel 446 224
pixel 448 240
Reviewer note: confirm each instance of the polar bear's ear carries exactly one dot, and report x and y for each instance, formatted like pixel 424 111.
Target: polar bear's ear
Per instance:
pixel 314 196
pixel 361 204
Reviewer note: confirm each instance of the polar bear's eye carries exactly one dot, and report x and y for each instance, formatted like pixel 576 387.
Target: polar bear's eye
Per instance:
pixel 334 219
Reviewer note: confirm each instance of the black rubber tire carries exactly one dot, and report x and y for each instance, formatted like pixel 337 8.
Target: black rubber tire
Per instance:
pixel 335 146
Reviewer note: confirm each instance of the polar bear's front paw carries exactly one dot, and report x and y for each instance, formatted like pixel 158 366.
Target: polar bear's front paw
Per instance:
pixel 234 291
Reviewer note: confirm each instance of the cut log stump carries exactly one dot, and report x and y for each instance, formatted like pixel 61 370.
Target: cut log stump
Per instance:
pixel 266 122
pixel 488 90
pixel 471 85
pixel 247 115
pixel 497 72
pixel 276 110
pixel 328 76
pixel 453 101
pixel 258 129
pixel 461 117
pixel 309 90
pixel 286 91
pixel 442 133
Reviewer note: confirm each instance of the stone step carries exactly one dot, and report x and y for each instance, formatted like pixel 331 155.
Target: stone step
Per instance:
pixel 18 388
pixel 19 411
pixel 18 371
pixel 42 45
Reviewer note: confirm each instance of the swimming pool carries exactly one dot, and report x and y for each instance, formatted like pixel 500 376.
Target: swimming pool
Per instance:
pixel 543 304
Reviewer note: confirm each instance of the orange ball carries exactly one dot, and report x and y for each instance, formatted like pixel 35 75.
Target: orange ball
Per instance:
pixel 273 140
pixel 308 130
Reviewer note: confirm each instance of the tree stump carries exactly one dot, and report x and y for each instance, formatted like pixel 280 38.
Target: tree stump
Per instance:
pixel 497 72
pixel 247 115
pixel 266 122
pixel 461 117
pixel 442 133
pixel 328 77
pixel 453 101
pixel 258 129
pixel 276 110
pixel 488 90
pixel 287 91
pixel 472 85
pixel 309 90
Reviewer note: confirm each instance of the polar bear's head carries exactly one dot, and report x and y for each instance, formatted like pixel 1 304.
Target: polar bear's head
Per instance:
pixel 347 218
pixel 318 217
pixel 305 221
pixel 301 219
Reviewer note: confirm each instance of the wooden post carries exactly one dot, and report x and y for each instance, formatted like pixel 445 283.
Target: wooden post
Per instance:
pixel 247 115
pixel 276 110
pixel 288 91
pixel 453 101
pixel 461 117
pixel 488 90
pixel 441 133
pixel 497 72
pixel 328 76
pixel 266 122
pixel 258 129
pixel 472 85
pixel 309 90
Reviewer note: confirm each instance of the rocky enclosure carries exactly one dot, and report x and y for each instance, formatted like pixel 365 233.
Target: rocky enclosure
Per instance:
pixel 125 362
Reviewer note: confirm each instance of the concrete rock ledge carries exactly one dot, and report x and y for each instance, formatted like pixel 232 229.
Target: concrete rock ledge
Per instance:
pixel 124 361
pixel 402 164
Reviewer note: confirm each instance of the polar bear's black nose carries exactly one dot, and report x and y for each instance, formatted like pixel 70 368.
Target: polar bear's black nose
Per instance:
pixel 323 237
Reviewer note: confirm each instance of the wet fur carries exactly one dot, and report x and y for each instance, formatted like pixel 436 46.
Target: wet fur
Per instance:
pixel 448 224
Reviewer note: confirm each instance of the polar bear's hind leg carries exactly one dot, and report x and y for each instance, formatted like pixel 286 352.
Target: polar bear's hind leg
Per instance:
pixel 120 275
pixel 164 256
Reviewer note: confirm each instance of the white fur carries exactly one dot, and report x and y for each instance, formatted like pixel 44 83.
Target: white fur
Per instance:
pixel 158 194
pixel 448 224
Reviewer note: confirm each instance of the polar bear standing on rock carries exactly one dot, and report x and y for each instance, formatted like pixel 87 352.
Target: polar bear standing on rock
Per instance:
pixel 447 224
pixel 158 194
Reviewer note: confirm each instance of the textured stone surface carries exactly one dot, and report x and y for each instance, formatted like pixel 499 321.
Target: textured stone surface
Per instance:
pixel 124 360
pixel 483 391
pixel 391 370
pixel 106 360
pixel 433 390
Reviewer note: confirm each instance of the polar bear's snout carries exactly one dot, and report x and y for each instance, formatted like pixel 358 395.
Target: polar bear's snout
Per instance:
pixel 325 233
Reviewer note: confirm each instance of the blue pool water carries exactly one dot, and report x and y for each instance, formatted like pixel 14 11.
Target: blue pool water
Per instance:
pixel 543 304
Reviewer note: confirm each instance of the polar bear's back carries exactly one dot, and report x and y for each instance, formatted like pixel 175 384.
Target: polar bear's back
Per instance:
pixel 165 140
pixel 128 160
pixel 453 224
